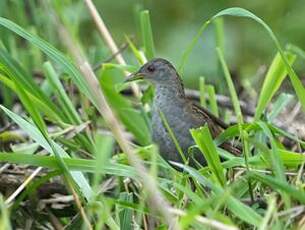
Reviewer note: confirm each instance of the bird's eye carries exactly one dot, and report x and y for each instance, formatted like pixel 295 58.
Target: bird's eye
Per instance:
pixel 151 68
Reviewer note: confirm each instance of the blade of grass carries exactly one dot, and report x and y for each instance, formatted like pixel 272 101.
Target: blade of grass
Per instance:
pixel 190 47
pixel 237 110
pixel 231 87
pixel 66 103
pixel 277 164
pixel 5 222
pixel 52 115
pixel 36 135
pixel 137 53
pixel 54 54
pixel 219 40
pixel 281 102
pixel 276 161
pixel 103 149
pixel 147 35
pixel 278 185
pixel 272 81
pixel 204 140
pixel 72 163
pixel 269 214
pixel 202 88
pixel 10 68
pixel 296 82
pixel 125 215
pixel 173 137
pixel 240 12
pixel 297 50
pixel 239 209
pixel 212 99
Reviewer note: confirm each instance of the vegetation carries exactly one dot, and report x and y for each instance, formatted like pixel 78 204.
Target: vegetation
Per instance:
pixel 75 142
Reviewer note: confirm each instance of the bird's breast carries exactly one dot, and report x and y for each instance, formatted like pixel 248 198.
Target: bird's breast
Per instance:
pixel 179 120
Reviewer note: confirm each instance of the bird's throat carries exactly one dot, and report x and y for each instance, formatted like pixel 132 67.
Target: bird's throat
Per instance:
pixel 167 96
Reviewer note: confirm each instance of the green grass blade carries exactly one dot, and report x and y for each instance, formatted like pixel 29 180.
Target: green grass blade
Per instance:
pixel 5 222
pixel 269 214
pixel 125 214
pixel 204 140
pixel 277 164
pixel 273 80
pixel 61 94
pixel 291 191
pixel 189 48
pixel 10 68
pixel 296 82
pixel 281 102
pixel 72 163
pixel 47 110
pixel 219 33
pixel 296 50
pixel 103 148
pixel 51 147
pixel 231 87
pixel 54 54
pixel 202 90
pixel 239 209
pixel 212 100
pixel 172 136
pixel 147 35
pixel 240 12
pixel 137 53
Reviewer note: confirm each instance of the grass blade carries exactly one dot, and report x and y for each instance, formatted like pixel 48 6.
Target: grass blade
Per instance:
pixel 241 210
pixel 204 140
pixel 281 102
pixel 231 87
pixel 147 35
pixel 272 81
pixel 240 12
pixel 36 135
pixel 278 185
pixel 72 163
pixel 296 82
pixel 54 54
pixel 277 164
pixel 202 88
pixel 61 94
pixel 212 100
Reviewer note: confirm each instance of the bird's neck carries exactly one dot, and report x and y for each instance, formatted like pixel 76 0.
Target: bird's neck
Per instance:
pixel 166 95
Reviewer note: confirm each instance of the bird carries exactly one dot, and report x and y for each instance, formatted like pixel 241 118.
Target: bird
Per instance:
pixel 180 113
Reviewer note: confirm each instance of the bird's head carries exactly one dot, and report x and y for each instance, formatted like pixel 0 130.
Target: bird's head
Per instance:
pixel 158 71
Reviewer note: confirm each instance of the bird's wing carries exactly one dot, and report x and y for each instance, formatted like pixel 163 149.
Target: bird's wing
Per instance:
pixel 207 113
pixel 216 126
pixel 204 118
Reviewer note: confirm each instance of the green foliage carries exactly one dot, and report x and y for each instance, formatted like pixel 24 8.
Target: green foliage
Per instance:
pixel 60 130
pixel 273 80
pixel 204 140
pixel 147 35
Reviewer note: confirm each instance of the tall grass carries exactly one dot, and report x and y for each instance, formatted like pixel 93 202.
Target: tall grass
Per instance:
pixel 61 131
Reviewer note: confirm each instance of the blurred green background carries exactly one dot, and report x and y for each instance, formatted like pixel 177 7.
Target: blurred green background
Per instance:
pixel 174 24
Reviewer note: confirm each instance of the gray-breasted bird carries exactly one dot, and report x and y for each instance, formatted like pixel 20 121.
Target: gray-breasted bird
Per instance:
pixel 180 113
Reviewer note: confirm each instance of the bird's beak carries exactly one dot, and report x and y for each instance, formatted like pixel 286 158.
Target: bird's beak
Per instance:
pixel 133 77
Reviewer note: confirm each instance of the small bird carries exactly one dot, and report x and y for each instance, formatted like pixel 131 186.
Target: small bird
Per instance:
pixel 180 113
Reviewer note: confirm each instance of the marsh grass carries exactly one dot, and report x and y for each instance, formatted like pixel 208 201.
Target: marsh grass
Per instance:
pixel 61 131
